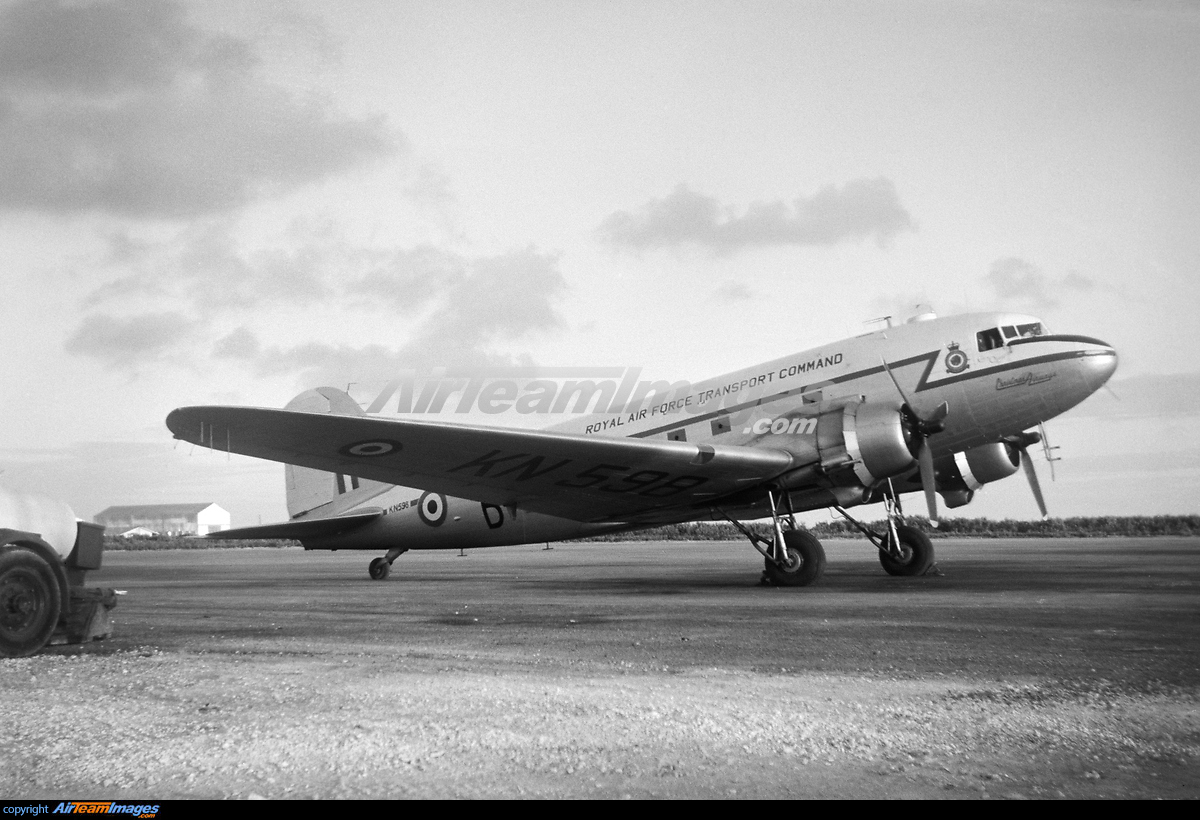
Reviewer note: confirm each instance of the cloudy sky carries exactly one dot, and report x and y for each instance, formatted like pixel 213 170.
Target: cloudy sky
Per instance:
pixel 229 202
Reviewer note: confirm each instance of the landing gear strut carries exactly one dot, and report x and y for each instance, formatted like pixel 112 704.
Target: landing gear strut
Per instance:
pixel 794 558
pixel 903 549
pixel 381 567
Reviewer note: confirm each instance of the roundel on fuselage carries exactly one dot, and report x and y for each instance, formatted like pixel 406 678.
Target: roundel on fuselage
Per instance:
pixel 956 361
pixel 432 509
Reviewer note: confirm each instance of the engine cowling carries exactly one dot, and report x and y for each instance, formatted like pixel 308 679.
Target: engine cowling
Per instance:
pixel 863 442
pixel 960 475
pixel 983 465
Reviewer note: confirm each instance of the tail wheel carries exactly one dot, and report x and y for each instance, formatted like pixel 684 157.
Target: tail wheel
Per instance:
pixel 30 601
pixel 379 569
pixel 916 553
pixel 806 561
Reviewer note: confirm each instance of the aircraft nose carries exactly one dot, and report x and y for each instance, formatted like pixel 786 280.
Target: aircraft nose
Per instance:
pixel 1099 363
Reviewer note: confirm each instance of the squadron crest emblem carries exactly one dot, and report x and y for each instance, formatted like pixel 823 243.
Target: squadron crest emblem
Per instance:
pixel 956 361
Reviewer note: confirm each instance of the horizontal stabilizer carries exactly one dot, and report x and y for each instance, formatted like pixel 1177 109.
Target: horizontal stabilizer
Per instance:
pixel 301 529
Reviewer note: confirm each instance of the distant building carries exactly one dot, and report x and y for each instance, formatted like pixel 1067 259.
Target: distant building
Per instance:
pixel 169 519
pixel 138 532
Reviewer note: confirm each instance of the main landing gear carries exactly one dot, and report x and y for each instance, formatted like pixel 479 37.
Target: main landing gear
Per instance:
pixel 795 558
pixel 381 567
pixel 792 558
pixel 903 550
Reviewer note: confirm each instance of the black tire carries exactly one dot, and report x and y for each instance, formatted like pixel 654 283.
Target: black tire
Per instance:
pixel 917 552
pixel 379 569
pixel 30 602
pixel 806 558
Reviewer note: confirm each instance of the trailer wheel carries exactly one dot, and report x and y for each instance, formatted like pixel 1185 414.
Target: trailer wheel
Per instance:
pixel 30 602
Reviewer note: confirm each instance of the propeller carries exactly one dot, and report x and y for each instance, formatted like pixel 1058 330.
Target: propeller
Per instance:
pixel 920 429
pixel 1022 442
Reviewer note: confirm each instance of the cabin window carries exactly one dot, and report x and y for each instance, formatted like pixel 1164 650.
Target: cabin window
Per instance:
pixel 1030 330
pixel 1010 332
pixel 989 339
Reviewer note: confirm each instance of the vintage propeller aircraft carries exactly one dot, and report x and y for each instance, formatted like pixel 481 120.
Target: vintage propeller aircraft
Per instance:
pixel 934 405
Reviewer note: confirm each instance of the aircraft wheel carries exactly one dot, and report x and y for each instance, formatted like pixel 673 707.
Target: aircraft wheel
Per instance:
pixel 806 561
pixel 916 550
pixel 379 569
pixel 30 601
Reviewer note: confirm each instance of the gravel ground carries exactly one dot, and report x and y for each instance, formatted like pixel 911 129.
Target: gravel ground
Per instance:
pixel 631 671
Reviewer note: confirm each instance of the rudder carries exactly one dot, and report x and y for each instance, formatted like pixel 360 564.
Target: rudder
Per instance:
pixel 307 488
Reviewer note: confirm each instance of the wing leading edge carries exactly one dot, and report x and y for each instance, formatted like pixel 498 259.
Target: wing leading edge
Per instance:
pixel 572 476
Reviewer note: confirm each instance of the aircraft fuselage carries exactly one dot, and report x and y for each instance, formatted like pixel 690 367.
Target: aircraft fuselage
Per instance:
pixel 999 374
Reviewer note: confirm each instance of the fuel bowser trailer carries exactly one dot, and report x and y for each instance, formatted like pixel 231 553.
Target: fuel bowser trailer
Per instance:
pixel 45 553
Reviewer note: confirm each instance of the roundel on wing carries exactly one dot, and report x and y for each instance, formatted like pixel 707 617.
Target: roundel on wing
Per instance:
pixel 432 509
pixel 371 448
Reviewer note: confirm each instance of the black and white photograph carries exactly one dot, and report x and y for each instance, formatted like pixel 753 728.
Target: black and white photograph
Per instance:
pixel 598 399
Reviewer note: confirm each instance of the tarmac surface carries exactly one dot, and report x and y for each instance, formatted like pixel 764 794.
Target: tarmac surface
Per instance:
pixel 1028 668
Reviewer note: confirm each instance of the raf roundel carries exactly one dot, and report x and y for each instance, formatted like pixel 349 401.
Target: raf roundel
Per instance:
pixel 371 448
pixel 956 360
pixel 432 509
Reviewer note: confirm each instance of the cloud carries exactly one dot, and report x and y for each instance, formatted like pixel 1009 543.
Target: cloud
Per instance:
pixel 127 342
pixel 240 344
pixel 860 209
pixel 124 107
pixel 455 310
pixel 408 279
pixel 206 268
pixel 496 300
pixel 431 188
pixel 1023 285
pixel 732 291
pixel 101 48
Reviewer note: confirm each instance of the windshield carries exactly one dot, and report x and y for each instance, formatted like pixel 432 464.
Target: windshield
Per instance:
pixel 995 337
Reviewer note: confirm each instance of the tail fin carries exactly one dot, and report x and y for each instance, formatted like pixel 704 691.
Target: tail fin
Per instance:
pixel 307 488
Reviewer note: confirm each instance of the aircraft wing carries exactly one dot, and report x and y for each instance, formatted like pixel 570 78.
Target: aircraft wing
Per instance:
pixel 578 477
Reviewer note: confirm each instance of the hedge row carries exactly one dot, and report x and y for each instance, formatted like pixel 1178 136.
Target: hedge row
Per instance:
pixel 181 542
pixel 1083 527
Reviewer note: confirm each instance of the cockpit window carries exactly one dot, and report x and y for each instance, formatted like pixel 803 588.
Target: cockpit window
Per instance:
pixel 995 337
pixel 989 339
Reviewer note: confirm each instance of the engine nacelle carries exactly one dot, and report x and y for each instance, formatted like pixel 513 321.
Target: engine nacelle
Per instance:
pixel 863 442
pixel 957 498
pixel 983 465
pixel 960 475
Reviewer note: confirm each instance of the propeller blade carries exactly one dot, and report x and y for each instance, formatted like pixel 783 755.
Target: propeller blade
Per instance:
pixel 892 376
pixel 1031 474
pixel 928 481
pixel 920 430
pixel 927 426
